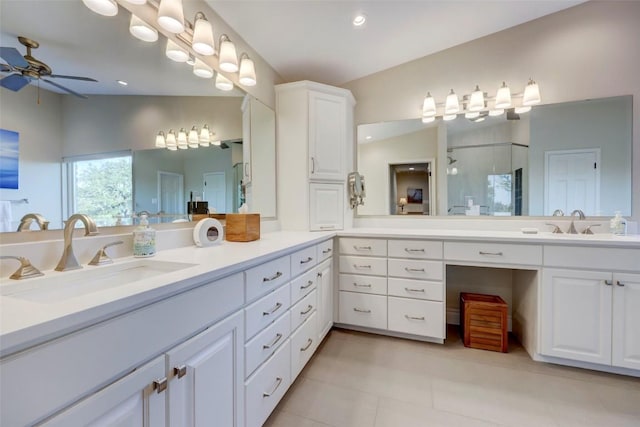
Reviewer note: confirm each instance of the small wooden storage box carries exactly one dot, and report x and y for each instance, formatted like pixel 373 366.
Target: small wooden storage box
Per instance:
pixel 242 227
pixel 483 320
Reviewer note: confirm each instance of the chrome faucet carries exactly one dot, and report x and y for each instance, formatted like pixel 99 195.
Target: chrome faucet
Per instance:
pixel 68 260
pixel 572 227
pixel 25 222
pixel 25 271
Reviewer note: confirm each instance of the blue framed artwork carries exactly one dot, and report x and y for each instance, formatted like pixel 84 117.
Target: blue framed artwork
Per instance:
pixel 9 150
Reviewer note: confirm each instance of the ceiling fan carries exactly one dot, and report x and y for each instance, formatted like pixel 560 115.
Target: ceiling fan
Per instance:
pixel 27 68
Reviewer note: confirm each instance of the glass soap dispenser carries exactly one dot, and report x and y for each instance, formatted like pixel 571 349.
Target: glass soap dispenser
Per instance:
pixel 617 225
pixel 144 239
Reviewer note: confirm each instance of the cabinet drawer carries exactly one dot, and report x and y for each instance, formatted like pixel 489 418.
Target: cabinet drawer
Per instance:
pixel 416 317
pixel 264 389
pixel 264 311
pixel 363 265
pixel 303 260
pixel 416 269
pixel 363 310
pixel 324 250
pixel 265 277
pixel 303 285
pixel 303 310
pixel 499 253
pixel 418 289
pixel 371 247
pixel 303 343
pixel 364 284
pixel 592 258
pixel 263 345
pixel 415 249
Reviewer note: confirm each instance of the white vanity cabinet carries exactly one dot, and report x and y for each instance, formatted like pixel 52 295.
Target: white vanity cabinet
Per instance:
pixel 325 298
pixel 328 135
pixel 326 206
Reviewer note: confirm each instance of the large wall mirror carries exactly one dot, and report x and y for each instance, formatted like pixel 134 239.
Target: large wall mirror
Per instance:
pixel 57 130
pixel 555 158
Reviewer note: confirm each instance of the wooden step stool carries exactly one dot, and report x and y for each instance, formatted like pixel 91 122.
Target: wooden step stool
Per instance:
pixel 483 320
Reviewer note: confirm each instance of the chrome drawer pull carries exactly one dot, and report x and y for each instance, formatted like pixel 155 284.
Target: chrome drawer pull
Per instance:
pixel 368 267
pixel 368 285
pixel 619 283
pixel 413 318
pixel 413 250
pixel 274 277
pixel 608 282
pixel 309 259
pixel 278 382
pixel 309 283
pixel 415 270
pixel 360 310
pixel 306 347
pixel 413 290
pixel 326 251
pixel 273 310
pixel 309 308
pixel 180 371
pixel 160 385
pixel 490 253
pixel 272 343
pixel 362 248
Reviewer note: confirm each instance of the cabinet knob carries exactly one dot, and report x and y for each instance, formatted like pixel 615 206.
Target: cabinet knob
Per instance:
pixel 180 371
pixel 619 283
pixel 608 282
pixel 160 385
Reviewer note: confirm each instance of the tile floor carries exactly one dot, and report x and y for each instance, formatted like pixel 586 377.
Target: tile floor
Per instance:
pixel 366 380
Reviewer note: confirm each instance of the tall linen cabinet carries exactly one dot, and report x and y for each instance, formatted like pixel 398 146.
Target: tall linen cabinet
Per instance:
pixel 315 153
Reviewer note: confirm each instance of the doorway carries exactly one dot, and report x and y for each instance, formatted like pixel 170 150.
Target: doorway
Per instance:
pixel 215 191
pixel 572 181
pixel 171 193
pixel 412 188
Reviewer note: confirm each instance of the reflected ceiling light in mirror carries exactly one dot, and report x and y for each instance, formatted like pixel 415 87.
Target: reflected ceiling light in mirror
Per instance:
pixel 205 136
pixel 171 141
pixel 141 30
pixel 160 140
pixel 122 82
pixel 228 56
pixel 429 106
pixel 202 41
pixel 452 105
pixel 175 52
pixel 102 7
pixel 503 96
pixel 182 139
pixel 531 93
pixel 247 71
pixel 223 83
pixel 201 69
pixel 496 112
pixel 193 138
pixel 522 110
pixel 171 16
pixel 476 101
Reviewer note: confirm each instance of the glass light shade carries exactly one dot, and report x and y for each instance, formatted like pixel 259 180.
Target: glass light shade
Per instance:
pixel 522 110
pixel 472 115
pixel 429 106
pixel 136 1
pixel 247 72
pixel 216 143
pixel 503 97
pixel 102 7
pixel 479 119
pixel 496 112
pixel 451 105
pixel 141 30
pixel 223 83
pixel 205 135
pixel 531 94
pixel 191 61
pixel 171 140
pixel 182 139
pixel 428 119
pixel 175 52
pixel 192 138
pixel 172 148
pixel 160 140
pixel 203 37
pixel 476 102
pixel 201 69
pixel 448 117
pixel 228 56
pixel 171 16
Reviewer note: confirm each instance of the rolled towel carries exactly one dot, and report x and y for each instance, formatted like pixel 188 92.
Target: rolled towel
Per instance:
pixel 5 216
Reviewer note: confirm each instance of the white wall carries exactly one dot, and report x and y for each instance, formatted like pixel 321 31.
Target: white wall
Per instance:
pixel 588 51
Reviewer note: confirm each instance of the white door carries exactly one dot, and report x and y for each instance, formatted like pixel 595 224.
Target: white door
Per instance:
pixel 137 400
pixel 215 191
pixel 327 136
pixel 206 388
pixel 325 299
pixel 171 193
pixel 626 318
pixel 572 181
pixel 576 315
pixel 326 206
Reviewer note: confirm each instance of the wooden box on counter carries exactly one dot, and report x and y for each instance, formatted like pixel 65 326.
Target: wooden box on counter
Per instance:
pixel 483 319
pixel 242 227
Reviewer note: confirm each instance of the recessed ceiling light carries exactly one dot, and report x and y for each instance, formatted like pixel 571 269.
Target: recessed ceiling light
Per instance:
pixel 122 82
pixel 368 137
pixel 412 169
pixel 359 20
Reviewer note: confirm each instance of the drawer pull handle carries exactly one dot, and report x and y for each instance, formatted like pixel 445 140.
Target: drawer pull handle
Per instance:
pixel 327 227
pixel 608 282
pixel 410 250
pixel 309 308
pixel 309 259
pixel 319 273
pixel 414 270
pixel 272 343
pixel 274 277
pixel 490 253
pixel 367 267
pixel 278 382
pixel 309 283
pixel 357 285
pixel 180 371
pixel 413 290
pixel 359 310
pixel 413 317
pixel 362 248
pixel 619 283
pixel 326 251
pixel 273 310
pixel 160 385
pixel 306 347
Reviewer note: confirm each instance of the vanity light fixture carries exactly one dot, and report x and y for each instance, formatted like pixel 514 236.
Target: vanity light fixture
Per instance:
pixel 429 106
pixel 521 110
pixel 531 94
pixel 452 105
pixel 228 56
pixel 141 30
pixel 102 7
pixel 201 69
pixel 205 136
pixel 191 61
pixel 202 41
pixel 472 115
pixel 175 52
pixel 496 112
pixel 428 119
pixel 223 83
pixel 171 16
pixel 476 102
pixel 448 117
pixel 247 71
pixel 160 140
pixel 193 138
pixel 217 143
pixel 182 139
pixel 503 97
pixel 171 141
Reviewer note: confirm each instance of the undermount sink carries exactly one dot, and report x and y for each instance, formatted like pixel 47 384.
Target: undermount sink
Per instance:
pixel 60 286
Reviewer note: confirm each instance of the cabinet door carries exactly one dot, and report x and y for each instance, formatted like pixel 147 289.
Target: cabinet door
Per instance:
pixel 327 136
pixel 207 371
pixel 626 318
pixel 576 315
pixel 325 299
pixel 135 400
pixel 326 206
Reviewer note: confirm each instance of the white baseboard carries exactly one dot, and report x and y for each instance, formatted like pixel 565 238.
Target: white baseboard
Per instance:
pixel 453 317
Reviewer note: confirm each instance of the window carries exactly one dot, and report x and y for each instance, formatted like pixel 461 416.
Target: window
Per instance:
pixel 499 194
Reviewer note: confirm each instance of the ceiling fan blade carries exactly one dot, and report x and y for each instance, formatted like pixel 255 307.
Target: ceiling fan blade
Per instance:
pixel 4 68
pixel 66 89
pixel 60 76
pixel 14 82
pixel 13 57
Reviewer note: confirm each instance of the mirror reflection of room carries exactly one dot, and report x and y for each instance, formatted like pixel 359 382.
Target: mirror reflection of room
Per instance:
pixel 411 188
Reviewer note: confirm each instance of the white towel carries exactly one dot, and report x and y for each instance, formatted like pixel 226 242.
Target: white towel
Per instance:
pixel 5 216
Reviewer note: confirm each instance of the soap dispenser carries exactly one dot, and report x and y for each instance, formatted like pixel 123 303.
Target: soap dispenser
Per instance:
pixel 618 224
pixel 144 239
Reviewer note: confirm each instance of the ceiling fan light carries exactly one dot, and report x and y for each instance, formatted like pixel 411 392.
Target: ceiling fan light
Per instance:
pixel 203 36
pixel 503 97
pixel 160 140
pixel 429 106
pixel 247 71
pixel 102 7
pixel 476 102
pixel 228 55
pixel 171 140
pixel 175 52
pixel 452 105
pixel 531 93
pixel 223 83
pixel 171 16
pixel 141 30
pixel 201 69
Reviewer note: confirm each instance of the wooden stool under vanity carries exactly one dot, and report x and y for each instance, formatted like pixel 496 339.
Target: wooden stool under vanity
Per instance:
pixel 483 320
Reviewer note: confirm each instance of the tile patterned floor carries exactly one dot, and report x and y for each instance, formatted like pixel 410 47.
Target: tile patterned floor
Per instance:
pixel 365 380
